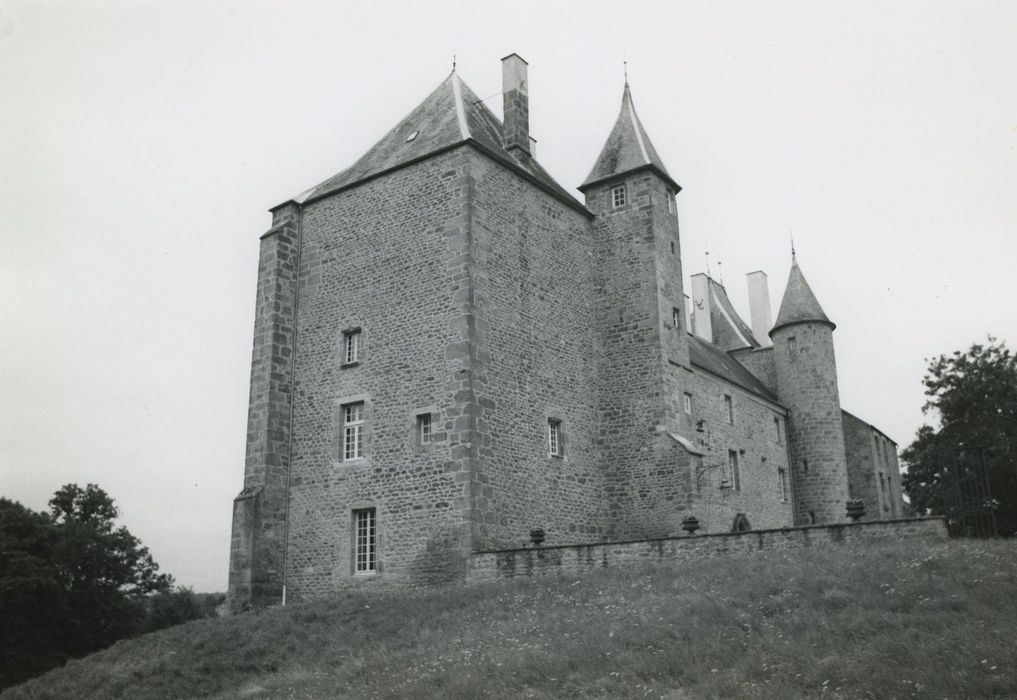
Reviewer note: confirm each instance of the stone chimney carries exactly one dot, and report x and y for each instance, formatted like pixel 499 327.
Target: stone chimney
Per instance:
pixel 759 307
pixel 515 92
pixel 701 304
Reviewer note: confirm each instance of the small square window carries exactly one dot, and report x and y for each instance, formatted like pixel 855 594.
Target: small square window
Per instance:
pixel 729 408
pixel 618 198
pixel 351 347
pixel 353 431
pixel 554 446
pixel 365 545
pixel 424 429
pixel 676 318
pixel 688 403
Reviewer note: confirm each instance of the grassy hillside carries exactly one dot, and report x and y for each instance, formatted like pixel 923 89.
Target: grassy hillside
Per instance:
pixel 901 621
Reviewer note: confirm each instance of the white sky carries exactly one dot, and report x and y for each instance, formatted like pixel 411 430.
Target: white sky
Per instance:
pixel 141 144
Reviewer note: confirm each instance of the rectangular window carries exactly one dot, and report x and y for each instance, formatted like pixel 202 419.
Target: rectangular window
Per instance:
pixel 688 403
pixel 778 434
pixel 351 347
pixel 782 475
pixel 731 477
pixel 729 407
pixel 676 318
pixel 554 446
pixel 353 431
pixel 618 196
pixel 424 429
pixel 792 346
pixel 366 542
pixel 671 206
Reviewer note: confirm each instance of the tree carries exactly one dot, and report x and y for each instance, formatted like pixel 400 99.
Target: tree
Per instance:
pixel 105 570
pixel 974 396
pixel 33 603
pixel 70 581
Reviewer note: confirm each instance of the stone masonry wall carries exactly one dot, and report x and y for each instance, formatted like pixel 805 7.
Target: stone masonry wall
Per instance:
pixel 577 559
pixel 873 473
pixel 762 454
pixel 637 283
pixel 257 550
pixel 389 257
pixel 807 379
pixel 537 349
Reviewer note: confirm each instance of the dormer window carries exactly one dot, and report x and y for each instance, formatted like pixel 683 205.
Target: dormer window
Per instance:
pixel 618 198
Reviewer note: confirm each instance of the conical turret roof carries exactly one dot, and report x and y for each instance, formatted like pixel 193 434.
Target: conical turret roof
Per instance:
pixel 799 304
pixel 451 115
pixel 628 148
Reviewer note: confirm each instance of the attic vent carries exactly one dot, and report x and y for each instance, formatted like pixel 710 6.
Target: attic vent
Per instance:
pixel 412 136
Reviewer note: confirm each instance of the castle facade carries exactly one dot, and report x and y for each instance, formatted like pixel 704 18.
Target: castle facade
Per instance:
pixel 450 350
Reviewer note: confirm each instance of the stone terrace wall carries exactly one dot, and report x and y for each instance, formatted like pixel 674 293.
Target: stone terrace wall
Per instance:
pixel 575 559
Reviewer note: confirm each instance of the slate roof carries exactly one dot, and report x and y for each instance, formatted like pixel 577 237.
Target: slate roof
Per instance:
pixel 711 358
pixel 627 148
pixel 451 115
pixel 727 310
pixel 799 304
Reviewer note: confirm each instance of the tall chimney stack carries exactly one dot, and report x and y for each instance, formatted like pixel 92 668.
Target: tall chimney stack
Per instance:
pixel 759 307
pixel 703 307
pixel 515 93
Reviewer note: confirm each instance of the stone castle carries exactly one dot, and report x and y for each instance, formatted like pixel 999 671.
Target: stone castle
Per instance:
pixel 450 351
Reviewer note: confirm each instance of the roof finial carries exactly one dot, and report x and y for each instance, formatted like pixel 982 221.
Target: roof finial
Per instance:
pixel 453 63
pixel 625 69
pixel 792 245
pixel 707 262
pixel 720 272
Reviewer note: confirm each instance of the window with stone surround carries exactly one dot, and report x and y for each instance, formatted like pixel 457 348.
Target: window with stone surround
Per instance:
pixel 782 476
pixel 672 208
pixel 554 443
pixel 676 317
pixel 424 429
pixel 778 432
pixel 353 431
pixel 729 408
pixel 688 403
pixel 351 346
pixel 792 346
pixel 731 476
pixel 618 196
pixel 365 541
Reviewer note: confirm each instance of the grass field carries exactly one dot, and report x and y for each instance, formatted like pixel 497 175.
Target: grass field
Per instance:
pixel 907 620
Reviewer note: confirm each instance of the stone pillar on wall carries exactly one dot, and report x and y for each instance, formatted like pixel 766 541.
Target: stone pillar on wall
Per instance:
pixel 257 551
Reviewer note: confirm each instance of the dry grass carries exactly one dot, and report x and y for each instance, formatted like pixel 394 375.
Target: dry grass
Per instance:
pixel 903 621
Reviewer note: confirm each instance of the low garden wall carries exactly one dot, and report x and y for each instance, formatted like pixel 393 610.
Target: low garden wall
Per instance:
pixel 574 559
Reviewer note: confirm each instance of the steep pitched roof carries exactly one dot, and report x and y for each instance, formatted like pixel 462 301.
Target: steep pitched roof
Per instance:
pixel 725 310
pixel 711 358
pixel 627 148
pixel 799 304
pixel 451 115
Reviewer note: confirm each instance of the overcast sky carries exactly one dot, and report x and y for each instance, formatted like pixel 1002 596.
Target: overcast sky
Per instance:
pixel 142 143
